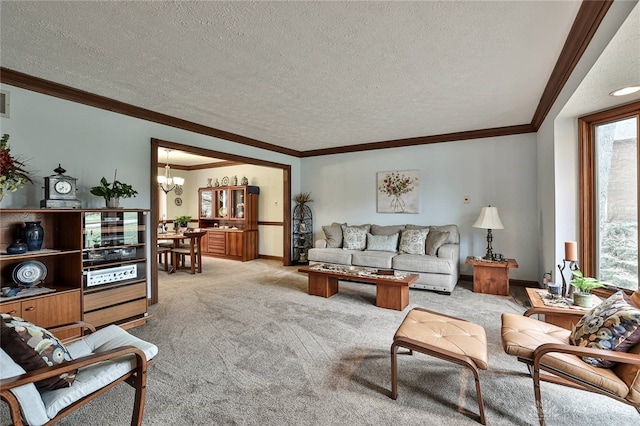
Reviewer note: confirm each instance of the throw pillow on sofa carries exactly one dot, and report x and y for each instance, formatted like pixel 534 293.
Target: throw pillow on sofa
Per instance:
pixel 412 241
pixel 33 347
pixel 333 234
pixel 354 237
pixel 383 242
pixel 614 325
pixel 434 240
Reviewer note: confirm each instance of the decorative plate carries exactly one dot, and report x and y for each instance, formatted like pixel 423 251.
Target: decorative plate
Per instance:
pixel 178 190
pixel 29 273
pixel 178 201
pixel 223 211
pixel 225 181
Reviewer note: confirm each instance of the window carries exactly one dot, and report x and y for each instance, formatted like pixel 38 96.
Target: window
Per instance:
pixel 609 195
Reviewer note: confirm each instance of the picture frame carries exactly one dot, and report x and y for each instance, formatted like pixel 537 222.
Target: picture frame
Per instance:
pixel 398 191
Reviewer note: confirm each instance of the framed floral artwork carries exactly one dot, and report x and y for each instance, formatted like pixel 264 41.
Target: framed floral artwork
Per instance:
pixel 398 191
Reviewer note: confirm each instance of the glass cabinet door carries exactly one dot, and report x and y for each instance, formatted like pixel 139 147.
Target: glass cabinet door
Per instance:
pixel 206 203
pixel 237 203
pixel 222 203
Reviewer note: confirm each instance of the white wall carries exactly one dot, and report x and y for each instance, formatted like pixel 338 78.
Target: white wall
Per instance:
pixel 91 143
pixel 557 141
pixel 498 171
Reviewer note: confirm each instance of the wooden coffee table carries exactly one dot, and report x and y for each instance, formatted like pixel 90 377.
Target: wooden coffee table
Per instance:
pixel 392 291
pixel 565 317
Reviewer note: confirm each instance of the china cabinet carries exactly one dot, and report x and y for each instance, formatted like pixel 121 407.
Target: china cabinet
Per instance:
pixel 230 216
pixel 301 233
pixel 91 266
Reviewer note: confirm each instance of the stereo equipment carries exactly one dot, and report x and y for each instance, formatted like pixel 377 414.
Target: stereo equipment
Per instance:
pixel 111 275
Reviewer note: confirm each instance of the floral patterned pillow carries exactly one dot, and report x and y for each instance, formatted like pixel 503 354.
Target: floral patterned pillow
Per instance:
pixel 33 347
pixel 613 324
pixel 354 237
pixel 412 241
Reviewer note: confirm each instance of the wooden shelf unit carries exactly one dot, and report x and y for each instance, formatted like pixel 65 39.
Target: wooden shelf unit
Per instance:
pixel 230 216
pixel 71 249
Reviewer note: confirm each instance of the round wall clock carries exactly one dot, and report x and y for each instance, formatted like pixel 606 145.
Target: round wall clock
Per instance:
pixel 178 201
pixel 178 190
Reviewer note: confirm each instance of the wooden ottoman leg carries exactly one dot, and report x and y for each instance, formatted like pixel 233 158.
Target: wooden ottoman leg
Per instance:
pixel 394 370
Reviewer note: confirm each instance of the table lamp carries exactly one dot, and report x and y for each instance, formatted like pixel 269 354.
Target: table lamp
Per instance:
pixel 489 220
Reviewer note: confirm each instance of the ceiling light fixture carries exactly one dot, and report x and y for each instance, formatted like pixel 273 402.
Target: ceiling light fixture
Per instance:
pixel 166 182
pixel 625 91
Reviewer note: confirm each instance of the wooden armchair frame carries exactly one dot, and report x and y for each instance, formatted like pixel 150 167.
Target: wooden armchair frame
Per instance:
pixel 137 378
pixel 560 377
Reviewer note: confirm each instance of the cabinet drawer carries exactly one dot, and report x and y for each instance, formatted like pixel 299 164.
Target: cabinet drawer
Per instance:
pixel 216 242
pixel 14 309
pixel 114 296
pixel 53 310
pixel 116 313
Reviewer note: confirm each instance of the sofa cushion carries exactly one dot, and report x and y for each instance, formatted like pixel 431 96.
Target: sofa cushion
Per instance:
pixel 331 255
pixel 422 263
pixel 454 235
pixel 383 242
pixel 410 226
pixel 612 325
pixel 434 240
pixel 412 241
pixel 33 347
pixel 386 230
pixel 373 259
pixel 333 234
pixel 354 237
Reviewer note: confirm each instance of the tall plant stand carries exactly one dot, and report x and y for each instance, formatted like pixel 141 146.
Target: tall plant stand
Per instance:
pixel 301 233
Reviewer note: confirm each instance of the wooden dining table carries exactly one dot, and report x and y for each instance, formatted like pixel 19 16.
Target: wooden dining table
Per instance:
pixel 177 240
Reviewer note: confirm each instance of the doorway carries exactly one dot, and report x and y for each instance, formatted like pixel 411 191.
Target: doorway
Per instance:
pixel 154 220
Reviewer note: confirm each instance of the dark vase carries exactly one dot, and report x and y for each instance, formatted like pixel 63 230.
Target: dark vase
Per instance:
pixel 33 235
pixel 17 248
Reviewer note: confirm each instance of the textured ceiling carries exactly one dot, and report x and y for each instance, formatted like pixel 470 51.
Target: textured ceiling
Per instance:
pixel 301 75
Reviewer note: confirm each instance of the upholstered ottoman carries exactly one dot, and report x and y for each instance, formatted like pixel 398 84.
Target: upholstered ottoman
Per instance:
pixel 443 337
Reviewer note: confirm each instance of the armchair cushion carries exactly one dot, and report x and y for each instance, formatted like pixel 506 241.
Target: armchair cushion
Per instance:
pixel 612 325
pixel 33 347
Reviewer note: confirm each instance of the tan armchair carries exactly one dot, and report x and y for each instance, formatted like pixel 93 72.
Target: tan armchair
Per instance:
pixel 545 347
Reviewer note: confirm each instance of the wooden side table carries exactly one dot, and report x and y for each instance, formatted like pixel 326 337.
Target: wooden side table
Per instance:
pixel 565 317
pixel 491 277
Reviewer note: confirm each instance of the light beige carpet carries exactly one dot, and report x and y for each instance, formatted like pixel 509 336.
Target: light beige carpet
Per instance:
pixel 244 344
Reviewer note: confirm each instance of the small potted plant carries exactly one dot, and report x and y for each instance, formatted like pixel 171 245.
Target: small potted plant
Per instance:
pixel 584 285
pixel 113 191
pixel 181 222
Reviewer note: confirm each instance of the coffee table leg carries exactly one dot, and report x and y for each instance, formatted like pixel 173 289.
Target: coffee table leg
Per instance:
pixel 323 286
pixel 392 296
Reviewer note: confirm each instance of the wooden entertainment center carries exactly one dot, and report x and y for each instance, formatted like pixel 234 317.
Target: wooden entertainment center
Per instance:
pixel 95 263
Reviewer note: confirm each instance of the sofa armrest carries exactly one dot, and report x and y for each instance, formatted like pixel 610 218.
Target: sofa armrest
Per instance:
pixel 449 251
pixel 320 244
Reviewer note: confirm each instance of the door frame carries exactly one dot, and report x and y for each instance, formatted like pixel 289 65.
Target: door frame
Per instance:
pixel 153 182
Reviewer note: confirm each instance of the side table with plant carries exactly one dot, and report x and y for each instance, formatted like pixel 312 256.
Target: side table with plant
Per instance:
pixel 582 297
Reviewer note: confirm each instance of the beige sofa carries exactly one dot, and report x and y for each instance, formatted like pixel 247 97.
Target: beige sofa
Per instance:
pixel 438 271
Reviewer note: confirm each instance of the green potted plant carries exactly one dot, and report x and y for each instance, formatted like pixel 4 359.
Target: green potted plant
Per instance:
pixel 583 286
pixel 182 222
pixel 113 191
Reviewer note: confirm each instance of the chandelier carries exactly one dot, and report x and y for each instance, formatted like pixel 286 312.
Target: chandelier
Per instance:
pixel 166 182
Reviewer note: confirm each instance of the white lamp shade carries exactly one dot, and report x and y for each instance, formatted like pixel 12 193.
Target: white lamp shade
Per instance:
pixel 178 181
pixel 488 219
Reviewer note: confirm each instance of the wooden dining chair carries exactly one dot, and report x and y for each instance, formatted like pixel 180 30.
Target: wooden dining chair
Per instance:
pixel 193 251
